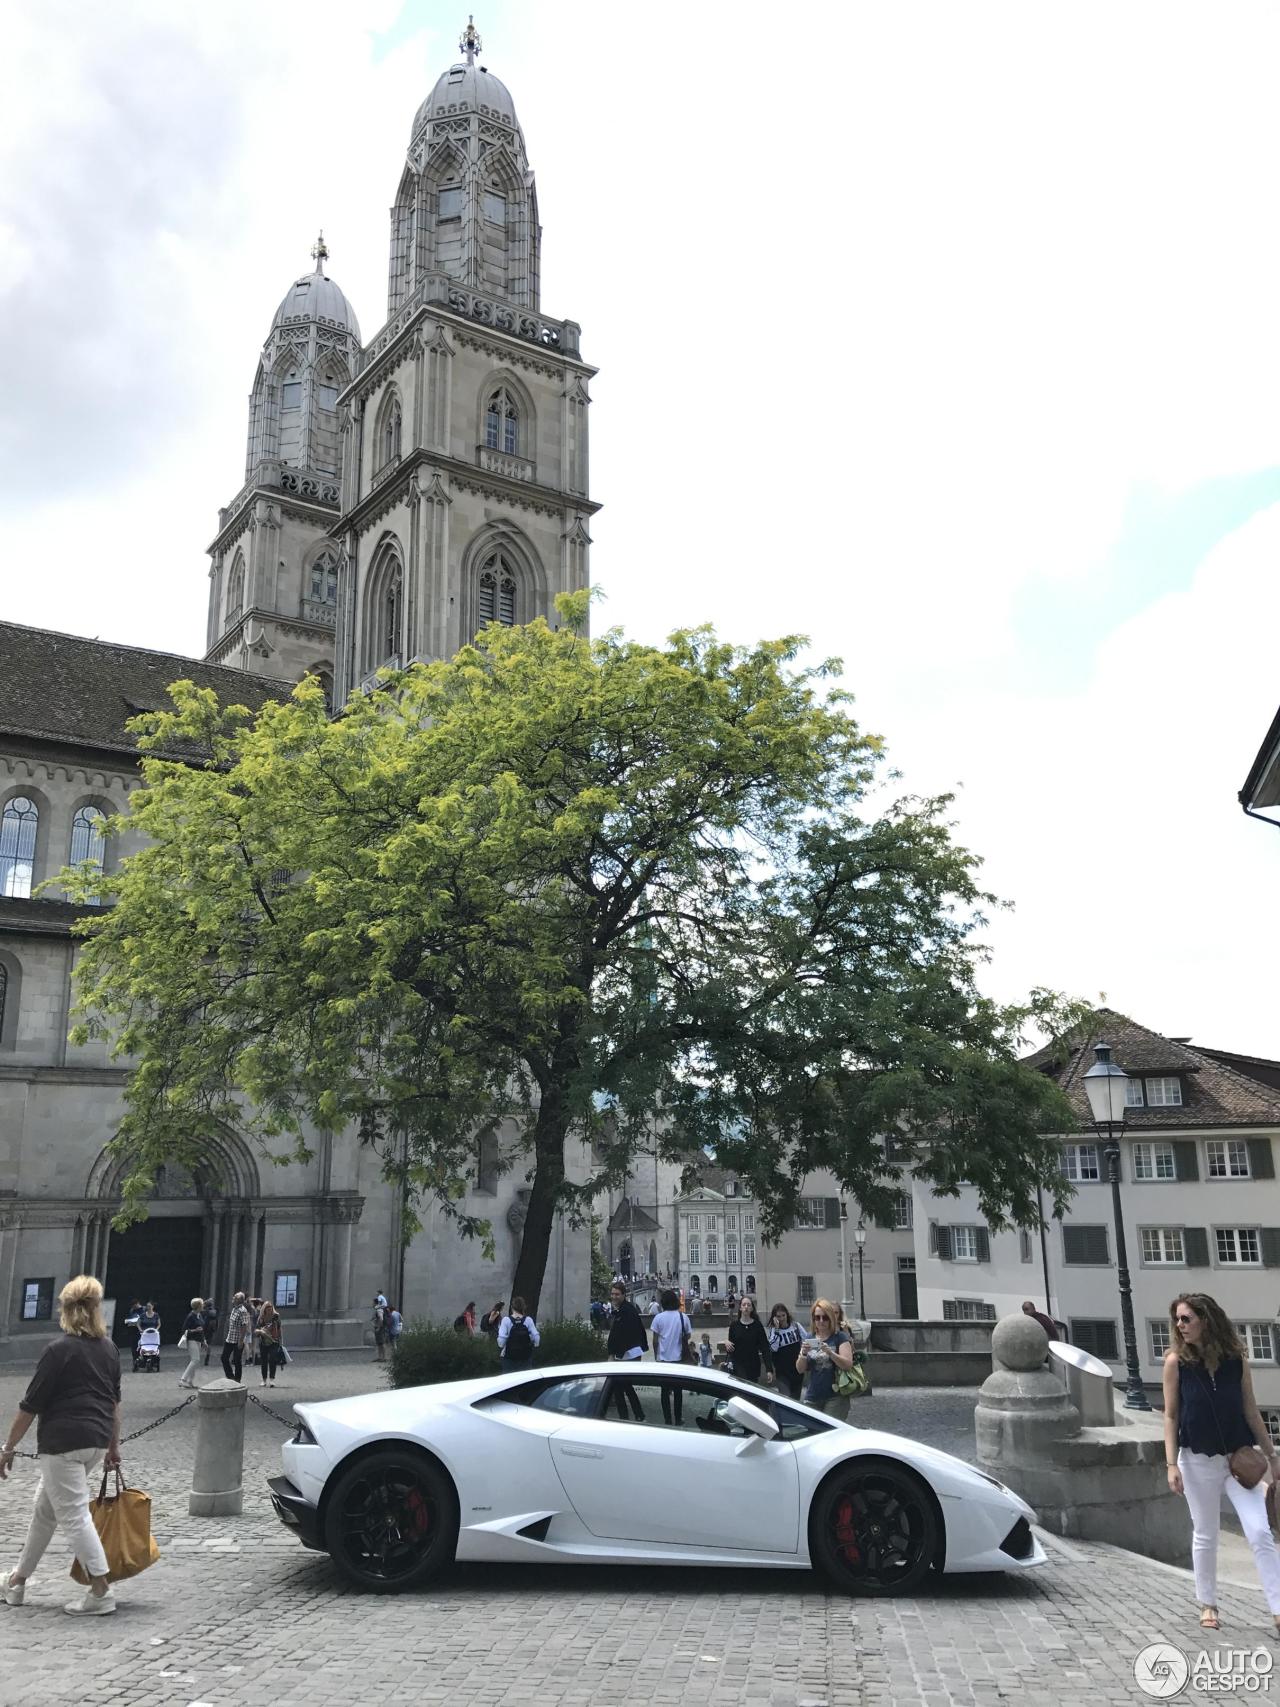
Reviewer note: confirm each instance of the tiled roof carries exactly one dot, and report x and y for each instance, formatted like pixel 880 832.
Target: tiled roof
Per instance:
pixel 1214 1093
pixel 64 688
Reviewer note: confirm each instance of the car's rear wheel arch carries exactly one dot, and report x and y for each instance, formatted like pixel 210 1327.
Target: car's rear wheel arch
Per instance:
pixel 902 1467
pixel 370 1449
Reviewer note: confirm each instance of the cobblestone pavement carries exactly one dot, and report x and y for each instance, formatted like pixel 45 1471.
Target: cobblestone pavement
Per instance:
pixel 236 1612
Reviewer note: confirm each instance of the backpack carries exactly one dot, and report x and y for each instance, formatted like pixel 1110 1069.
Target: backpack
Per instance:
pixel 519 1347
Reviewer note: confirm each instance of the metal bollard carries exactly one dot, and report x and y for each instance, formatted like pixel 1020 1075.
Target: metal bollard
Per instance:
pixel 217 1476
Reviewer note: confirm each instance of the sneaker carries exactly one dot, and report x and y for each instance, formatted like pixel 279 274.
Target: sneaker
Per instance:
pixel 14 1593
pixel 91 1605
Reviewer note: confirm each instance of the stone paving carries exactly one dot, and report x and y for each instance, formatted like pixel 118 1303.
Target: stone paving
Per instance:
pixel 236 1612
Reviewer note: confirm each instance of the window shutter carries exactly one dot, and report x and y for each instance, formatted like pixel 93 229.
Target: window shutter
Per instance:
pixel 1261 1161
pixel 1083 1335
pixel 1186 1165
pixel 1085 1245
pixel 884 1222
pixel 944 1243
pixel 1270 1247
pixel 983 1238
pixel 1109 1350
pixel 1195 1246
pixel 831 1211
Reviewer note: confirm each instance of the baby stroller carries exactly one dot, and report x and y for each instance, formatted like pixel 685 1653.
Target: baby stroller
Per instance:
pixel 146 1354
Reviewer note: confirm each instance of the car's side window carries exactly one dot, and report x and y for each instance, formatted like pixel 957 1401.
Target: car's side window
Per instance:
pixel 795 1423
pixel 654 1403
pixel 576 1396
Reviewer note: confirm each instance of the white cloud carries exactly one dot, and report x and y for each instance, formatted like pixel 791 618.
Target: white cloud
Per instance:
pixel 892 318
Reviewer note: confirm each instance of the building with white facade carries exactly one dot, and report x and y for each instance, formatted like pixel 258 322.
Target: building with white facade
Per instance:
pixel 1200 1202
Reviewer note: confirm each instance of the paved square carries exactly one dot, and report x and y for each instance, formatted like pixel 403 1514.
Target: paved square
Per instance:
pixel 237 1613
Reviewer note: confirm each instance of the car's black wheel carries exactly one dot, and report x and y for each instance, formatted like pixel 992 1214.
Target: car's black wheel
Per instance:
pixel 873 1529
pixel 391 1521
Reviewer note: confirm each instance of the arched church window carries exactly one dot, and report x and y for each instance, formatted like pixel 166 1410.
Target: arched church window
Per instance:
pixel 392 602
pixel 497 592
pixel 502 423
pixel 291 393
pixel 18 827
pixel 327 392
pixel 86 838
pixel 389 431
pixel 324 578
pixel 495 208
pixel 751 1283
pixel 235 589
pixel 449 202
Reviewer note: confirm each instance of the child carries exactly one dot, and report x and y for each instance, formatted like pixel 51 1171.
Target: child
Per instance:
pixel 704 1351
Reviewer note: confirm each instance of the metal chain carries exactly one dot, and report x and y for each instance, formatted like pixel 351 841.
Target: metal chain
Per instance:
pixel 289 1422
pixel 147 1427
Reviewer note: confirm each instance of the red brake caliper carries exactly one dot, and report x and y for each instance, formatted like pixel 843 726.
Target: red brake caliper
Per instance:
pixel 419 1517
pixel 846 1539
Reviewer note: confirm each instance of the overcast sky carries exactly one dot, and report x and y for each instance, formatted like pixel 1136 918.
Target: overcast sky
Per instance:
pixel 944 334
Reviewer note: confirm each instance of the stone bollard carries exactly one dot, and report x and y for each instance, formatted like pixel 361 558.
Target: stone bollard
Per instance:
pixel 218 1473
pixel 1101 1483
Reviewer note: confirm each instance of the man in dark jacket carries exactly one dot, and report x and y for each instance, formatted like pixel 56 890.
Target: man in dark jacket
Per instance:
pixel 626 1345
pixel 1029 1309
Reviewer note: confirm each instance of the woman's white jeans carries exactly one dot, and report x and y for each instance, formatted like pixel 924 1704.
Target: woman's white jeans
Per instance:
pixel 62 1500
pixel 195 1351
pixel 1203 1479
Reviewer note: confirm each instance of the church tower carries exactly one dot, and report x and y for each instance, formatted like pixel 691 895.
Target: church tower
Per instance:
pixel 273 584
pixel 464 475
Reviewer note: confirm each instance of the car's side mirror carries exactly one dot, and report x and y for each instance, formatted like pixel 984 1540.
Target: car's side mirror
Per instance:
pixel 752 1418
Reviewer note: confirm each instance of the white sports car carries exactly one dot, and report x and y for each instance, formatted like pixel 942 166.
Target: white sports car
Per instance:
pixel 633 1463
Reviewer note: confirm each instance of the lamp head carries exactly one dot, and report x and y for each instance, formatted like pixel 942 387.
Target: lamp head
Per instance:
pixel 1105 1086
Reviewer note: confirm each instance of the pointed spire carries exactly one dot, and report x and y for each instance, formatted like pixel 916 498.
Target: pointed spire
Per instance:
pixel 320 253
pixel 470 43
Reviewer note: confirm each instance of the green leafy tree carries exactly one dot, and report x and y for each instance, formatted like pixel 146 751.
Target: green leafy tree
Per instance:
pixel 592 886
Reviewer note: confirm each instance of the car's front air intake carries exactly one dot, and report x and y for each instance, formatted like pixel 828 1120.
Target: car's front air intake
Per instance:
pixel 1018 1543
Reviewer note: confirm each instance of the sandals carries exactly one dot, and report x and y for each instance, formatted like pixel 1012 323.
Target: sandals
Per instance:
pixel 1209 1618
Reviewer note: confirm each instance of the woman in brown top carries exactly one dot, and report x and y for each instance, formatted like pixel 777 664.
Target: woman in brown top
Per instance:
pixel 75 1393
pixel 270 1339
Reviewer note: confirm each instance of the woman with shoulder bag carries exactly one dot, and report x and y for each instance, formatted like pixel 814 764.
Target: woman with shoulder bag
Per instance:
pixel 193 1339
pixel 827 1353
pixel 1211 1429
pixel 672 1342
pixel 75 1394
pixel 270 1343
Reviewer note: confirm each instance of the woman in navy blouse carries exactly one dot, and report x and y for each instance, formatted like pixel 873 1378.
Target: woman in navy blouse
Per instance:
pixel 1209 1413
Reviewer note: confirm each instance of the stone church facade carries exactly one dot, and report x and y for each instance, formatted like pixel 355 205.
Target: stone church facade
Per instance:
pixel 398 494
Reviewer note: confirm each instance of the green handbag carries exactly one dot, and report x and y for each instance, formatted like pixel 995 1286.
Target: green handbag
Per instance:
pixel 850 1383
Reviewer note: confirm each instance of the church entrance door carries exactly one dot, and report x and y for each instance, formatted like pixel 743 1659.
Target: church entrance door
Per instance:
pixel 160 1260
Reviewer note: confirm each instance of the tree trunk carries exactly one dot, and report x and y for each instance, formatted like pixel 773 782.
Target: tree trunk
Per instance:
pixel 548 1177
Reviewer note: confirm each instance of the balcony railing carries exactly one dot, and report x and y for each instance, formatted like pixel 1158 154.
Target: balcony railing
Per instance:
pixel 502 462
pixel 319 611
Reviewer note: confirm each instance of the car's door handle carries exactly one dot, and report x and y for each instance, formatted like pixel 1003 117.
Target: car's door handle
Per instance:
pixel 581 1452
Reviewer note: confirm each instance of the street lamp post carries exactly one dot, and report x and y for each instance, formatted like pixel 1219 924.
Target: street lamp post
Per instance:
pixel 860 1238
pixel 844 1253
pixel 1105 1085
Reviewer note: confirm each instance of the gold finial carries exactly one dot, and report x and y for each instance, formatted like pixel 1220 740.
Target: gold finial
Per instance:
pixel 320 253
pixel 471 44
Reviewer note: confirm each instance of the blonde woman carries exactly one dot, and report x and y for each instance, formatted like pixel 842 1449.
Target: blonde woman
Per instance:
pixel 828 1349
pixel 1209 1413
pixel 75 1393
pixel 193 1329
